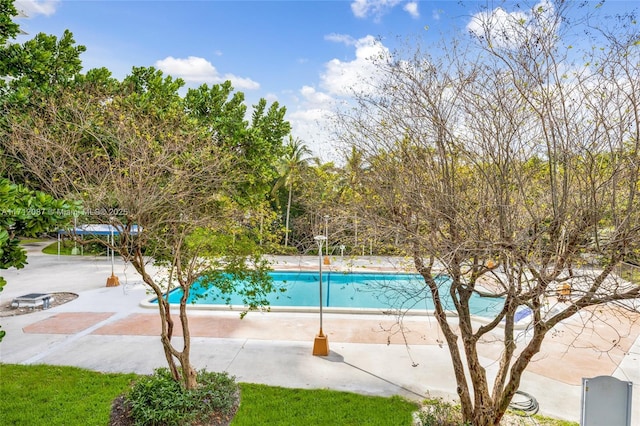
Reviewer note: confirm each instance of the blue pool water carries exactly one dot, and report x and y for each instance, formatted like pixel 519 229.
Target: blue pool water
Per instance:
pixel 347 290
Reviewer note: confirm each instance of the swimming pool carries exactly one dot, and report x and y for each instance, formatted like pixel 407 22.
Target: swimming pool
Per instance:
pixel 345 292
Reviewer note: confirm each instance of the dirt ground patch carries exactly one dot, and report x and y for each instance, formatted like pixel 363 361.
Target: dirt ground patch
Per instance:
pixel 60 298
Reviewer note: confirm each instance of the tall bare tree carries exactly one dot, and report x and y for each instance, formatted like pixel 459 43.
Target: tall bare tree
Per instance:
pixel 502 162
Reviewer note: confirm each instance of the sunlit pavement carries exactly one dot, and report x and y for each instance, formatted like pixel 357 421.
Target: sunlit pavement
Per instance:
pixel 107 329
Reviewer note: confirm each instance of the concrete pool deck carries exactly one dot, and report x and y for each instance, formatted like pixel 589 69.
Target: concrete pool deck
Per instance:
pixel 106 329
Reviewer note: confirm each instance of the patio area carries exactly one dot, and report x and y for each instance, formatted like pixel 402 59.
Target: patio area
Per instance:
pixel 106 329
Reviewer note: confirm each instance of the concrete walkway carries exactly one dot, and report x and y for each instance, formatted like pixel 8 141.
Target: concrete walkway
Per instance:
pixel 106 329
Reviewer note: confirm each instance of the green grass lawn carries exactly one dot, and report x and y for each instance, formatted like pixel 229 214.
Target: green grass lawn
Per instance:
pixel 261 404
pixel 51 395
pixel 67 249
pixel 31 240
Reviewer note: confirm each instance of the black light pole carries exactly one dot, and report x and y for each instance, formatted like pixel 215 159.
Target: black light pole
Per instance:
pixel 321 342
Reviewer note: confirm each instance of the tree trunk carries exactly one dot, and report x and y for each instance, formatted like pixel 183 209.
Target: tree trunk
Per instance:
pixel 450 336
pixel 166 320
pixel 189 375
pixel 166 335
pixel 286 226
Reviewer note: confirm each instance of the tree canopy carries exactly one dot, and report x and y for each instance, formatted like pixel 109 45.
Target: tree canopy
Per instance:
pixel 177 176
pixel 26 213
pixel 8 28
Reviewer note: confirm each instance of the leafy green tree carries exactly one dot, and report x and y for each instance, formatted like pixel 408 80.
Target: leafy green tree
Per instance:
pixel 351 193
pixel 139 156
pixel 138 159
pixel 41 64
pixel 8 28
pixel 256 144
pixel 28 213
pixel 318 189
pixel 29 73
pixel 290 167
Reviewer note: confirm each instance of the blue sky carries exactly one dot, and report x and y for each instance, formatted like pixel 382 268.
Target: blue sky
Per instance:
pixel 306 55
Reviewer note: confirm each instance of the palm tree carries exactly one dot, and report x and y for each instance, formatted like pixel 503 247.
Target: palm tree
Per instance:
pixel 352 172
pixel 296 157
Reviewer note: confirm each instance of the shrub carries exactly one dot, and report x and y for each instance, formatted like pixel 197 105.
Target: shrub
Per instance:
pixel 279 249
pixel 160 400
pixel 437 412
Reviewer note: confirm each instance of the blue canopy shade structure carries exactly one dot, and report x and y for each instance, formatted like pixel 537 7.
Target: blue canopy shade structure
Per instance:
pixel 95 229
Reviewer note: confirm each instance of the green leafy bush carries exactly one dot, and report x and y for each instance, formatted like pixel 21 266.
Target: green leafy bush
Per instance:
pixel 279 249
pixel 160 400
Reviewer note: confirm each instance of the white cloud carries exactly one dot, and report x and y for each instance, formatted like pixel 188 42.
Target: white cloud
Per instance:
pixel 240 83
pixel 199 70
pixel 360 8
pixel 378 8
pixel 314 97
pixel 271 97
pixel 375 8
pixel 312 116
pixel 498 26
pixel 32 8
pixel 412 9
pixel 342 78
pixel 312 120
pixel 314 127
pixel 510 29
pixel 340 38
pixel 190 69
